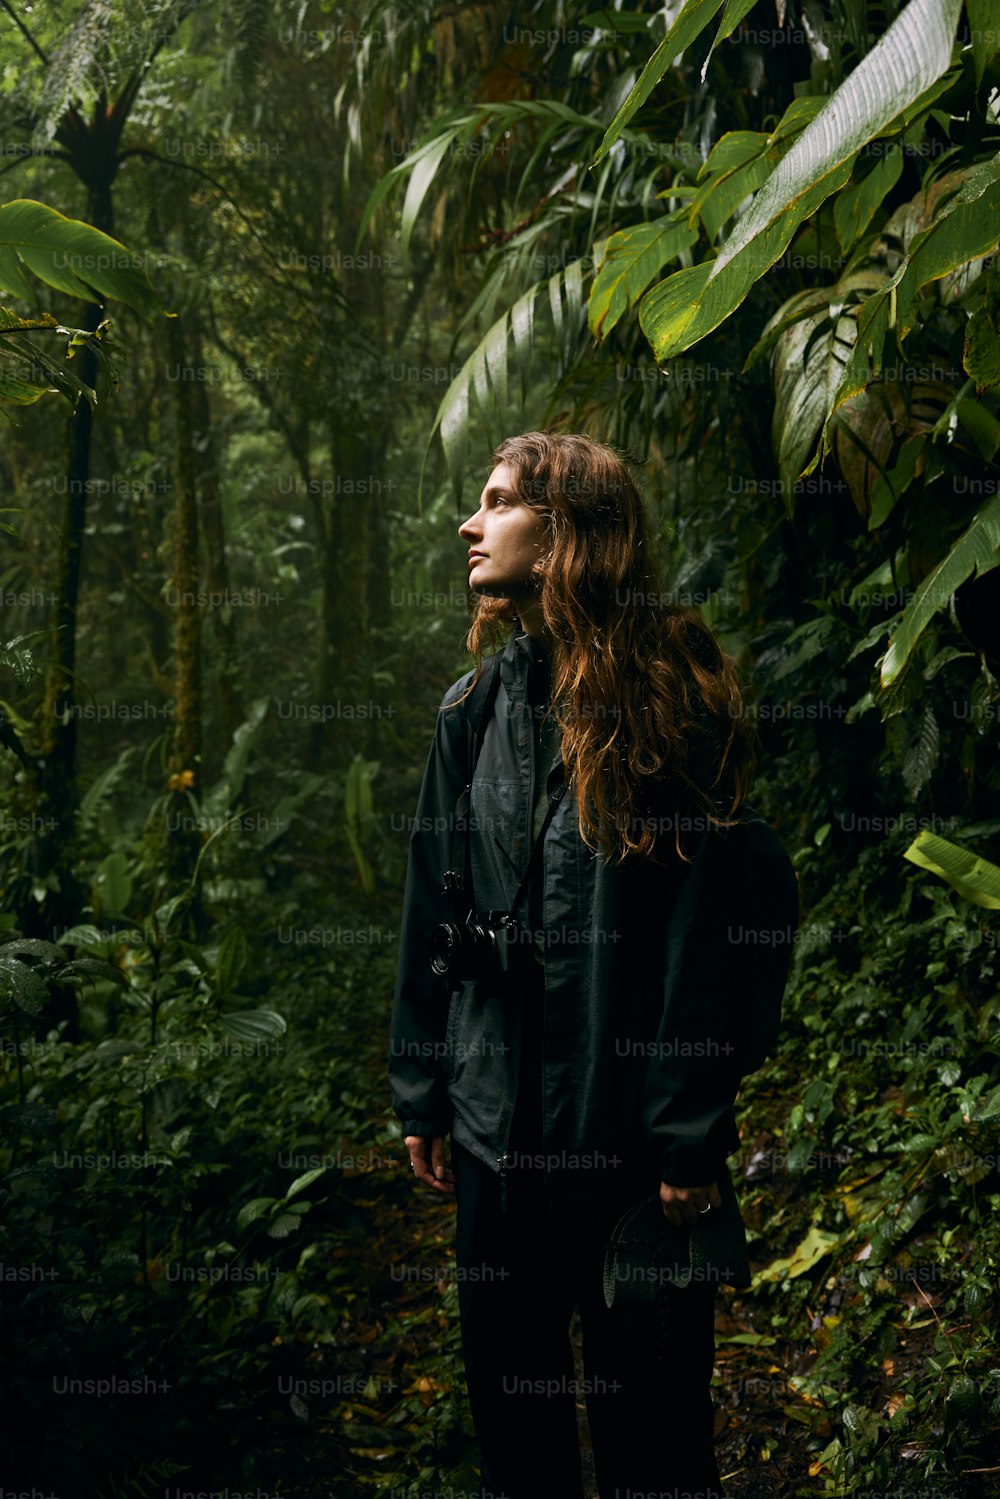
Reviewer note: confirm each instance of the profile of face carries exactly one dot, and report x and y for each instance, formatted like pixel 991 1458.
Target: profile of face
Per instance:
pixel 505 537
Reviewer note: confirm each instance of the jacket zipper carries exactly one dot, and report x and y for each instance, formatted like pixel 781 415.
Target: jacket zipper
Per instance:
pixel 506 1119
pixel 507 1114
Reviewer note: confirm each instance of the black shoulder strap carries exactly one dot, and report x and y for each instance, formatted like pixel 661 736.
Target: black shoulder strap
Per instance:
pixel 478 707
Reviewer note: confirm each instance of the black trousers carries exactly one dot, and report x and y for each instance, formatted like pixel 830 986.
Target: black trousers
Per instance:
pixel 521 1272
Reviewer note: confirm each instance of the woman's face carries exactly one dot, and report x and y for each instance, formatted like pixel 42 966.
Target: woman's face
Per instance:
pixel 506 537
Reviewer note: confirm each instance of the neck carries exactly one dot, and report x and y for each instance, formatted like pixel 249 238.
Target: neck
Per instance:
pixel 529 613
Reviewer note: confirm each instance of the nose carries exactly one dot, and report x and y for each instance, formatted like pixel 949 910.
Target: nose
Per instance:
pixel 471 530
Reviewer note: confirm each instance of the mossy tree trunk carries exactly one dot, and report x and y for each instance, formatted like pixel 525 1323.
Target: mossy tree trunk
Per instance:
pixel 185 782
pixel 222 619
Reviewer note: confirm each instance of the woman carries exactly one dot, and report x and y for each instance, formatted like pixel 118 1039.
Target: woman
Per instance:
pixel 590 1053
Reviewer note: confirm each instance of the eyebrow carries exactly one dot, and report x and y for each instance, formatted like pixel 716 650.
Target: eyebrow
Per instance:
pixel 498 489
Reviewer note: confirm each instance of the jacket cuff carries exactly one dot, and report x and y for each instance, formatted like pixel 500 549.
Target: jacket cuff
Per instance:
pixel 429 1127
pixel 697 1156
pixel 685 1165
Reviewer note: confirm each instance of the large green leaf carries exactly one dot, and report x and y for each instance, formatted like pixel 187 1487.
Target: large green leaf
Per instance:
pixel 976 879
pixel 817 1243
pixel 70 256
pixel 218 801
pixel 688 26
pixel 632 257
pixel 856 204
pixel 231 961
pixel 965 228
pixel 482 381
pixel 21 392
pixel 984 30
pixel 895 81
pixel 904 63
pixel 975 552
pixel 808 361
pixel 113 884
pixel 741 162
pixel 422 164
pixel 981 355
pixel 253 1025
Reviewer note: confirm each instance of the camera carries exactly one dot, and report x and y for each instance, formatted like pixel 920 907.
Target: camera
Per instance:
pixel 481 947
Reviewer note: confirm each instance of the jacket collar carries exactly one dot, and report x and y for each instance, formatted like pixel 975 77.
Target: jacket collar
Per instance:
pixel 528 647
pixel 521 656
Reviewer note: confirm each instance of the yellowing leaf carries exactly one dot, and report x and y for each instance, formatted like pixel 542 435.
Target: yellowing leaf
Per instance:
pixel 817 1243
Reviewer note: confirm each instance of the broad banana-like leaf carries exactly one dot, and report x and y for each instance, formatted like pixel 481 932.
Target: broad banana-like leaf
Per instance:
pixel 879 436
pixel 484 374
pixel 423 172
pixel 731 17
pixel 808 361
pixel 624 21
pixel 57 371
pixel 966 227
pixel 632 257
pixel 975 552
pixel 687 27
pixel 984 33
pixel 70 256
pixel 423 162
pixel 893 83
pixel 976 879
pixel 981 355
pixel 809 337
pixel 17 392
pixel 856 205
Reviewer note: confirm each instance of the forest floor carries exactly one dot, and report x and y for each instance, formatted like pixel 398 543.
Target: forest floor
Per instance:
pixel 397 1354
pixel 381 1408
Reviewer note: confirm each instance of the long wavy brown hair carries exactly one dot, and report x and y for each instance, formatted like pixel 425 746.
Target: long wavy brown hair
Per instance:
pixel 655 732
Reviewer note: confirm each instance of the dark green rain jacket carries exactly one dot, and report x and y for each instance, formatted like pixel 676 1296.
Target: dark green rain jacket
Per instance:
pixel 662 984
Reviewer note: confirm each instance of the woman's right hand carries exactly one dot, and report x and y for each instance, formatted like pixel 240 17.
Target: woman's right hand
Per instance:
pixel 427 1158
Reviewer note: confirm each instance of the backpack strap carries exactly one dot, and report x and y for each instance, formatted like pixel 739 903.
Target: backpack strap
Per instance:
pixel 478 709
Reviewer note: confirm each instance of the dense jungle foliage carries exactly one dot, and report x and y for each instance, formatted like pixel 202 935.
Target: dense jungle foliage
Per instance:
pixel 275 279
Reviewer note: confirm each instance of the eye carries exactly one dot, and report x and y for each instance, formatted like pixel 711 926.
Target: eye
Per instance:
pixel 499 500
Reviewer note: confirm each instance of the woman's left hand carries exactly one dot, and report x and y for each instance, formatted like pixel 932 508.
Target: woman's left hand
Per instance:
pixel 681 1205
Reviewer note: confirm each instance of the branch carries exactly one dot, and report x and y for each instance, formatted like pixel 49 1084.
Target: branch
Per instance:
pixel 188 166
pixel 58 155
pixel 24 31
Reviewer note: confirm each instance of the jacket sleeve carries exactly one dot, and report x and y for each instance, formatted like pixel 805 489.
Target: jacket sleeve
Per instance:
pixel 421 997
pixel 728 949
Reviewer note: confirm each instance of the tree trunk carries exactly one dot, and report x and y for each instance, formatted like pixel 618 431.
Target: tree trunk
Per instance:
pixel 185 760
pixel 222 618
pixel 51 857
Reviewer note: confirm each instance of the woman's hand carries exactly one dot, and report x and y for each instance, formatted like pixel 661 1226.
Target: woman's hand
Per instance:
pixel 428 1161
pixel 681 1205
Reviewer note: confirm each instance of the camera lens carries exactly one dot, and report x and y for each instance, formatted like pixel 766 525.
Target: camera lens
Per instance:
pixel 445 943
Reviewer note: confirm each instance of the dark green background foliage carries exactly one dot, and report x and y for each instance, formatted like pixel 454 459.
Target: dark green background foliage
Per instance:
pixel 274 281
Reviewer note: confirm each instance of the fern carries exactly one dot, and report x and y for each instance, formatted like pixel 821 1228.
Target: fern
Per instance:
pixel 136 1486
pixel 922 754
pixel 77 64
